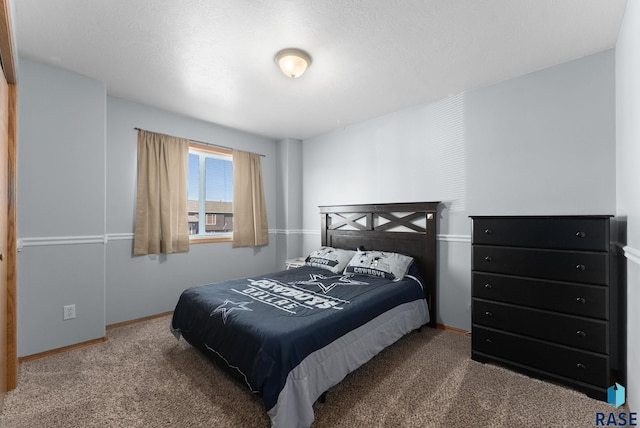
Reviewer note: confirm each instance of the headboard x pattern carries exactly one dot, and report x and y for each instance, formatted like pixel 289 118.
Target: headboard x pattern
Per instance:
pixel 408 228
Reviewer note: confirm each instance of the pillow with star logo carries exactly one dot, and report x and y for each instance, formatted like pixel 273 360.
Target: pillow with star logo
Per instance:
pixel 333 259
pixel 381 264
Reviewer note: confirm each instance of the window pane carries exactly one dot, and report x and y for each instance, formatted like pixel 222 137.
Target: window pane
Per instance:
pixel 219 195
pixel 193 193
pixel 219 180
pixel 193 176
pixel 210 193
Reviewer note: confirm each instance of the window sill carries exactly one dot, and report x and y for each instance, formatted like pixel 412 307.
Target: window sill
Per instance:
pixel 206 239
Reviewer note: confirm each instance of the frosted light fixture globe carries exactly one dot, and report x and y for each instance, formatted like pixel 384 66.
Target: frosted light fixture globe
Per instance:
pixel 293 62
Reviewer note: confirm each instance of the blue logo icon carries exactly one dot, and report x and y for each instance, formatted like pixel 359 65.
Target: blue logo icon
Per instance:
pixel 615 395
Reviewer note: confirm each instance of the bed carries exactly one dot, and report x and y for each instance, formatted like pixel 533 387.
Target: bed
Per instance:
pixel 293 334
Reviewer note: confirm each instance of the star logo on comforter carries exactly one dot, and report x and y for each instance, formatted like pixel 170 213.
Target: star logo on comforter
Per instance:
pixel 229 306
pixel 327 283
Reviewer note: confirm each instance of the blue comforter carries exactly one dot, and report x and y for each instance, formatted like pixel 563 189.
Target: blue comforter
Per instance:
pixel 264 326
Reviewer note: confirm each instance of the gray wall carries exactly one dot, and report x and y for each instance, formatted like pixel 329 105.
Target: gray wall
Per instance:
pixel 289 200
pixel 628 177
pixel 543 143
pixel 61 207
pixel 76 185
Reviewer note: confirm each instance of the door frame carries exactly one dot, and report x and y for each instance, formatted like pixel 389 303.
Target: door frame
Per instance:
pixel 9 64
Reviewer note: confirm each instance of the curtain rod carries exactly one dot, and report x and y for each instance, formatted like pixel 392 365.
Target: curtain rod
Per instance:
pixel 205 143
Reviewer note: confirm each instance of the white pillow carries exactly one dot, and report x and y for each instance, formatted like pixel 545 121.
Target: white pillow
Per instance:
pixel 380 264
pixel 333 259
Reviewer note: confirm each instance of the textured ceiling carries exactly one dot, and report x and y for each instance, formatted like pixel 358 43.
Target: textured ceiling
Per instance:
pixel 213 60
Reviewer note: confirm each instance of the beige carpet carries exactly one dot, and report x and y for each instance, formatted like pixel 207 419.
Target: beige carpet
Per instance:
pixel 144 377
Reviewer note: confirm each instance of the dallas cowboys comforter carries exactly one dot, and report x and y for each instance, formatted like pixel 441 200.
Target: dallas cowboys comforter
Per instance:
pixel 293 334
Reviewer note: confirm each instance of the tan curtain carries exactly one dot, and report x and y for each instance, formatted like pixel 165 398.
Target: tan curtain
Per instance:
pixel 162 225
pixel 250 227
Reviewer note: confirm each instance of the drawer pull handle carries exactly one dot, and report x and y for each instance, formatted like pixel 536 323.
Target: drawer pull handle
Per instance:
pixel 488 341
pixel 581 366
pixel 581 300
pixel 488 258
pixel 580 267
pixel 488 286
pixel 581 333
pixel 580 234
pixel 488 231
pixel 489 314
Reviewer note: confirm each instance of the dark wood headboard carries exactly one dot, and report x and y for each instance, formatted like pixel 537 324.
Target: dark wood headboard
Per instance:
pixel 407 228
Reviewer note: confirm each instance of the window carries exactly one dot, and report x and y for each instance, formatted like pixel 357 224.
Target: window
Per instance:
pixel 210 204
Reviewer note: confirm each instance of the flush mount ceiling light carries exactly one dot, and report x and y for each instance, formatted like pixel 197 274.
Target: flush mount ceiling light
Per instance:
pixel 293 62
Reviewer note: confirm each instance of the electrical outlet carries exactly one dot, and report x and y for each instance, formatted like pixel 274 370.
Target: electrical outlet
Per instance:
pixel 69 312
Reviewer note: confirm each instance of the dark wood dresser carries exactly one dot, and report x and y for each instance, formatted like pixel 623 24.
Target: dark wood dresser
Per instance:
pixel 542 298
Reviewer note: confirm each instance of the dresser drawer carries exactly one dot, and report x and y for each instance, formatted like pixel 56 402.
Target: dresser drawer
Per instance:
pixel 583 333
pixel 577 299
pixel 571 363
pixel 574 266
pixel 584 233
